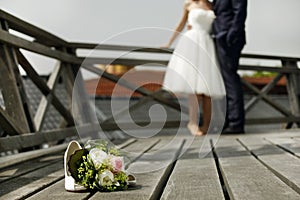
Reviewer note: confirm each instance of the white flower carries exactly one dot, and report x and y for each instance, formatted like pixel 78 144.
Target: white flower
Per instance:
pixel 97 157
pixel 106 178
pixel 117 163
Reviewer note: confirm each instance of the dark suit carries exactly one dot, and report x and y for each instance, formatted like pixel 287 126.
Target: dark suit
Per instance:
pixel 229 32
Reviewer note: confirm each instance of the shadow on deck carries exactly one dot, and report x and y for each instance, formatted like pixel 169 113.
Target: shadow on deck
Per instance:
pixel 264 166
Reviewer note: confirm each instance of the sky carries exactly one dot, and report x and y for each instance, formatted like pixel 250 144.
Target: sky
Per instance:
pixel 272 26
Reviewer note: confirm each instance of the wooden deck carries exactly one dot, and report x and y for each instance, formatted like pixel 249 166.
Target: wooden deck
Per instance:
pixel 251 166
pixel 264 166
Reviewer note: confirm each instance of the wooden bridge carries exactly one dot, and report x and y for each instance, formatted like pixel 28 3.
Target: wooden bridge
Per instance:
pixel 37 173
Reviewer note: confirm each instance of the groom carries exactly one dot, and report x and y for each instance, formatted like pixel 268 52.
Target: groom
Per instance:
pixel 229 31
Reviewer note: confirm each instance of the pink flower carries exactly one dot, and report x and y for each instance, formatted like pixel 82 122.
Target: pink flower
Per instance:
pixel 117 163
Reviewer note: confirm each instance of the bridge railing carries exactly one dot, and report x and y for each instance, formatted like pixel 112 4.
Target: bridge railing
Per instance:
pixel 288 70
pixel 25 129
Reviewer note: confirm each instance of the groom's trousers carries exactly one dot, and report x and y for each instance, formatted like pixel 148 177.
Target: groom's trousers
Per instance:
pixel 228 57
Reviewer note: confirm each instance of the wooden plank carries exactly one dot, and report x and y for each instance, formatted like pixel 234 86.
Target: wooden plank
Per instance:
pixel 11 162
pixel 280 133
pixel 272 120
pixel 68 83
pixel 42 86
pixel 149 184
pixel 21 157
pixel 277 160
pixel 37 48
pixel 74 84
pixel 32 176
pixel 194 178
pixel 37 175
pixel 28 184
pixel 12 65
pixel 54 187
pixel 111 47
pixel 268 57
pixel 8 124
pixel 57 190
pixel 11 95
pixel 122 61
pixel 31 165
pixel 77 45
pixel 65 57
pixel 265 90
pixel 81 105
pixel 289 144
pixel 245 177
pixel 31 30
pixel 287 70
pixel 267 99
pixel 137 149
pixel 45 102
pixel 293 89
pixel 110 126
pixel 33 139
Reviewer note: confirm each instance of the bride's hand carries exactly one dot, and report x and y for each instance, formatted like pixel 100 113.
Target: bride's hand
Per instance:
pixel 165 46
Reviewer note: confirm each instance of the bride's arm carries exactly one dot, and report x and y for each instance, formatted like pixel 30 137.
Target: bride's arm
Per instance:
pixel 178 28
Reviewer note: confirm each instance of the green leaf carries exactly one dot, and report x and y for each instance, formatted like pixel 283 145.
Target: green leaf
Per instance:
pixel 74 162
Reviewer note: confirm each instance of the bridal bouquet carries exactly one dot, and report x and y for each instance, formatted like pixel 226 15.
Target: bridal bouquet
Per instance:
pixel 98 166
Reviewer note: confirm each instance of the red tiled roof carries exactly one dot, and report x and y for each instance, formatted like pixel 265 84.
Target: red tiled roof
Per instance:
pixel 150 80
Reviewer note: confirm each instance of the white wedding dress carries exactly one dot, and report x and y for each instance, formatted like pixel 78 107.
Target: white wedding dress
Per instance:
pixel 193 67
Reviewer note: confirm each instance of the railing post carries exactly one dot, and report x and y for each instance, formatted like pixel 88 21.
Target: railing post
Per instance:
pixel 16 102
pixel 76 88
pixel 293 89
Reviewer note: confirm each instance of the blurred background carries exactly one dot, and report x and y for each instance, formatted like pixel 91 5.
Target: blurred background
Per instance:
pixel 272 25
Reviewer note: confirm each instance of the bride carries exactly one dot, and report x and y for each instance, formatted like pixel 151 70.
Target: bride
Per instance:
pixel 193 67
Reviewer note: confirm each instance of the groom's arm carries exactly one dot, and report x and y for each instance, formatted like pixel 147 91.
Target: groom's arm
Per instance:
pixel 238 24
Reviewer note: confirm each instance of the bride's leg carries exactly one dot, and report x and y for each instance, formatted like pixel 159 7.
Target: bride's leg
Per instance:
pixel 193 114
pixel 206 113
